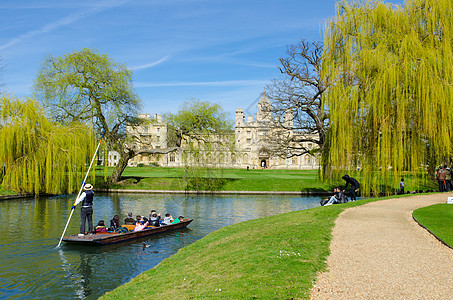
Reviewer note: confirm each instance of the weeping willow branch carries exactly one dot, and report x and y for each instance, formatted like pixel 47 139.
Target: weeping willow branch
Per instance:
pixel 39 156
pixel 390 73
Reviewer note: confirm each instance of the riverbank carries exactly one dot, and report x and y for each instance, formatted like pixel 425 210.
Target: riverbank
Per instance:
pixel 280 257
pixel 267 258
pixel 254 181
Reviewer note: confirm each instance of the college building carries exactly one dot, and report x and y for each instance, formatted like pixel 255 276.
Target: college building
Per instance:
pixel 250 144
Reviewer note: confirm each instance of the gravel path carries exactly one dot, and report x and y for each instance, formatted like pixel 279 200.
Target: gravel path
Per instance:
pixel 379 252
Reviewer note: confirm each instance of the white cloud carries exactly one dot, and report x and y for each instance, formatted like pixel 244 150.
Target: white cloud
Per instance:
pixel 63 22
pixel 153 64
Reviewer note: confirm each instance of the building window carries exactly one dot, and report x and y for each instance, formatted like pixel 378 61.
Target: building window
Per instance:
pixel 249 134
pixel 294 161
pixel 172 157
pixel 249 141
pixel 145 129
pixel 245 158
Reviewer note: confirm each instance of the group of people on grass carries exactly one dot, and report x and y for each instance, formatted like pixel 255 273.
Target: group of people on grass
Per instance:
pixel 140 222
pixel 339 195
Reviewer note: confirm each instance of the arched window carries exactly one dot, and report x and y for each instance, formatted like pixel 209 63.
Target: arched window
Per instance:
pixel 245 158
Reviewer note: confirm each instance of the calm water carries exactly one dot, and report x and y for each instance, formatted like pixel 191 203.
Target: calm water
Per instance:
pixel 31 267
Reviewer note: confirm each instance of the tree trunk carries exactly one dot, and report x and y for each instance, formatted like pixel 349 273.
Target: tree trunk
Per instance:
pixel 122 164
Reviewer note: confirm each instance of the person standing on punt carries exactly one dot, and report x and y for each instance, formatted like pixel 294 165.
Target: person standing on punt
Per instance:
pixel 86 213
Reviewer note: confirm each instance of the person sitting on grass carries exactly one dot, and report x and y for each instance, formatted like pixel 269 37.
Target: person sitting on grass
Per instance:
pixel 179 219
pixel 140 224
pixel 167 219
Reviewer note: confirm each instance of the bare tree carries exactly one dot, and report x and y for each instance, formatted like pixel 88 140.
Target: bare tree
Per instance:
pixel 296 102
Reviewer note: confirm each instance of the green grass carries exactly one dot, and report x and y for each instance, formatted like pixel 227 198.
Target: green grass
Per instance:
pixel 438 219
pixel 5 192
pixel 275 257
pixel 158 178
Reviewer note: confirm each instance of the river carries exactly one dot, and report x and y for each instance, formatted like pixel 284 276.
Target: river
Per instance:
pixel 32 267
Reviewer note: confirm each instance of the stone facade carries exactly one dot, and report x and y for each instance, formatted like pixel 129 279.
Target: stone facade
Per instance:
pixel 251 147
pixel 252 140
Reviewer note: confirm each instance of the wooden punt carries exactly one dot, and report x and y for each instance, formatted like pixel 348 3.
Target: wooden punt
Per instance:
pixel 112 238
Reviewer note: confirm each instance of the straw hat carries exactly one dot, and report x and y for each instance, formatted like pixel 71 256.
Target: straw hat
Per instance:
pixel 88 187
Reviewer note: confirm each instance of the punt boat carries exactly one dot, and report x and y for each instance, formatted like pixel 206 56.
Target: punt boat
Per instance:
pixel 106 238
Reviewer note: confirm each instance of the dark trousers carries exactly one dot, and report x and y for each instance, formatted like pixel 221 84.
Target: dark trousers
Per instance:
pixel 352 194
pixel 86 214
pixel 442 186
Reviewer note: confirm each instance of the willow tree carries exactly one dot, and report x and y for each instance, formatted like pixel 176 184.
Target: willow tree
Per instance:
pixel 390 74
pixel 89 87
pixel 39 156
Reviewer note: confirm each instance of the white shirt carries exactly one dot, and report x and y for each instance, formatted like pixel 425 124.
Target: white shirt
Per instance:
pixel 80 199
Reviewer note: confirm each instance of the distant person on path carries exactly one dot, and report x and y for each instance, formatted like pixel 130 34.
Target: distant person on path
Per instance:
pixel 447 178
pixel 402 185
pixel 354 186
pixel 441 175
pixel 86 213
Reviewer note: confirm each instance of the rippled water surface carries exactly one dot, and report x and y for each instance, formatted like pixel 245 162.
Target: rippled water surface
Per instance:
pixel 32 267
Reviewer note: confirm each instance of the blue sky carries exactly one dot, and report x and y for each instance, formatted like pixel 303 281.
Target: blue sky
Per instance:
pixel 222 51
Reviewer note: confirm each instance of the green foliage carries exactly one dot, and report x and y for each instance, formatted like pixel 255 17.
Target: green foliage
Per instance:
pixel 390 74
pixel 85 86
pixel 438 219
pixel 40 156
pixel 205 133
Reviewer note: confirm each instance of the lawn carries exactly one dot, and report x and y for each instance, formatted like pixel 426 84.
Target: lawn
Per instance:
pixel 438 219
pixel 275 257
pixel 158 178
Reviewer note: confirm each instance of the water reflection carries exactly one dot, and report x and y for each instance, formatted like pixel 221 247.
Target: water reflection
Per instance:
pixel 32 267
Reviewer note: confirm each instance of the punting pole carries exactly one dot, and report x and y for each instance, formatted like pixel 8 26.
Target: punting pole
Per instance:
pixel 81 188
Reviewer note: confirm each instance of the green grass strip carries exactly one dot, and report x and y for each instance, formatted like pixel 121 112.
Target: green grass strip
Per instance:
pixel 438 219
pixel 275 257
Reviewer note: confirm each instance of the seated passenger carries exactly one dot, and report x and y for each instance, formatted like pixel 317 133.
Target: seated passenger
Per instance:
pixel 154 218
pixel 129 220
pixel 114 223
pixel 100 227
pixel 179 219
pixel 167 219
pixel 140 224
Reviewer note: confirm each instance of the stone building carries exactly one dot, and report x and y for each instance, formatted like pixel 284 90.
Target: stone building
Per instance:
pixel 251 147
pixel 253 136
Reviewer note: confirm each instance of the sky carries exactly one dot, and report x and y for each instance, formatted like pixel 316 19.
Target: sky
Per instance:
pixel 222 51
